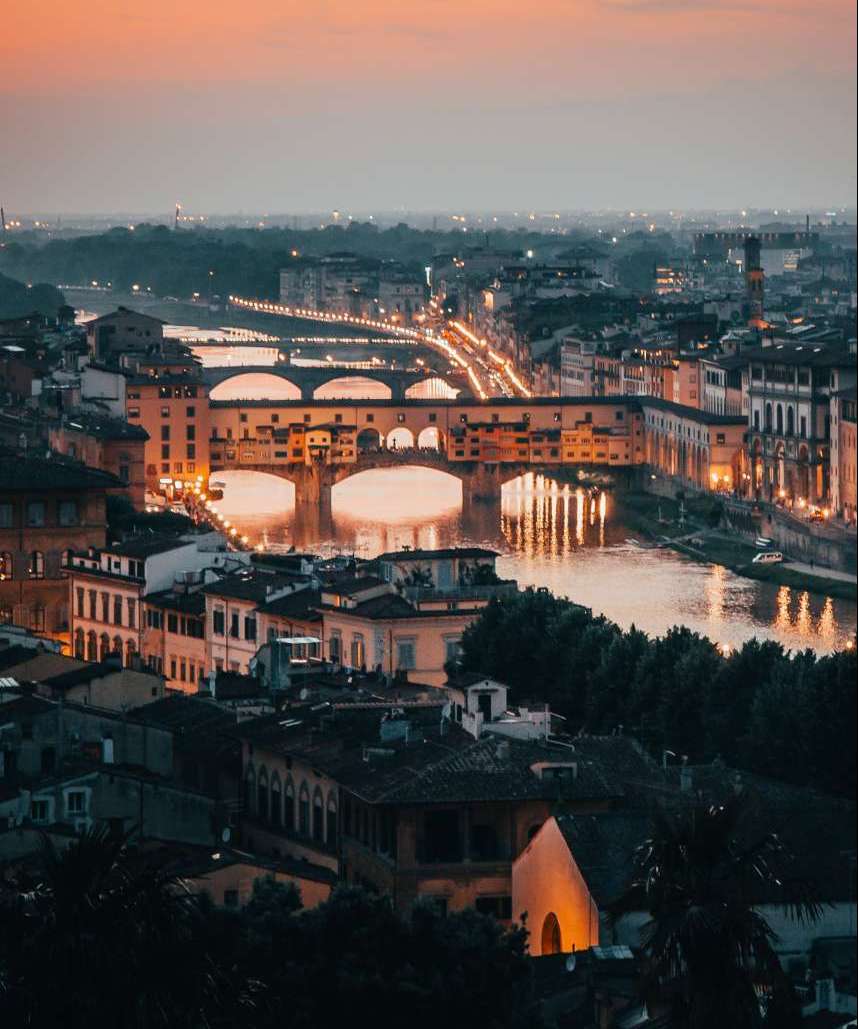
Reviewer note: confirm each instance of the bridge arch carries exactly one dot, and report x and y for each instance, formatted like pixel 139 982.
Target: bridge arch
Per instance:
pixel 255 386
pixel 361 387
pixel 400 438
pixel 432 388
pixel 369 439
pixel 430 438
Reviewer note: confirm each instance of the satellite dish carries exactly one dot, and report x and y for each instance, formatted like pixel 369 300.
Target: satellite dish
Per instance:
pixel 226 835
pixel 571 961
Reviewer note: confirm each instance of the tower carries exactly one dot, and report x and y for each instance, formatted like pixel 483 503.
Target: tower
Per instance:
pixel 754 282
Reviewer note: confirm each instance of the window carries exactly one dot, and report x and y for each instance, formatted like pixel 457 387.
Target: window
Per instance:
pixel 36 513
pixel 6 566
pixel 76 802
pixel 39 810
pixel 218 623
pixel 172 622
pixel 318 817
pixel 289 806
pixel 250 627
pixel 233 625
pixel 37 617
pixel 191 411
pixel 36 565
pixel 358 651
pixel 304 811
pixel 117 609
pixel 165 432
pixel 452 649
pixel 5 516
pixel 190 432
pixel 132 613
pixel 331 826
pixel 242 417
pixel 133 412
pixel 165 453
pixel 405 654
pixel 165 412
pixel 335 648
pixel 191 453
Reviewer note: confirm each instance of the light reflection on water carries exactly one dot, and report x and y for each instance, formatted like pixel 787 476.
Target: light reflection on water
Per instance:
pixel 548 535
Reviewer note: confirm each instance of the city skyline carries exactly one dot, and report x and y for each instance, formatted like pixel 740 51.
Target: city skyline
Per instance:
pixel 633 103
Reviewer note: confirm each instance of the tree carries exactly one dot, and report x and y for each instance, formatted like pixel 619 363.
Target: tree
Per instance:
pixel 95 936
pixel 708 953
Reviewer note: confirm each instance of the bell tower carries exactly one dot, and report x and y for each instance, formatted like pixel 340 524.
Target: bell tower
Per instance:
pixel 754 283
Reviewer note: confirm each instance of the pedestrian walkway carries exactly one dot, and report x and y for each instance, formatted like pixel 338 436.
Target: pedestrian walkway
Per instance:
pixel 818 571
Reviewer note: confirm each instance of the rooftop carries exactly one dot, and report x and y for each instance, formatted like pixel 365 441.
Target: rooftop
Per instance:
pixel 444 553
pixel 50 474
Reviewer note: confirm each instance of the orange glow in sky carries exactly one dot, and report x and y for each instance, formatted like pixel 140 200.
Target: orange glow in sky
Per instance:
pixel 464 87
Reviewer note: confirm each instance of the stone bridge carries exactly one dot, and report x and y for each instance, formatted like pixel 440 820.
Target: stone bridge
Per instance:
pixel 481 481
pixel 307 380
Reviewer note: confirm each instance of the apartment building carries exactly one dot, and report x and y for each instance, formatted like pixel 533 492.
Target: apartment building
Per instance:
pixel 49 508
pixel 108 587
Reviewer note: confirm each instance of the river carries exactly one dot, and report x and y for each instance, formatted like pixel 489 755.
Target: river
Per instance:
pixel 546 537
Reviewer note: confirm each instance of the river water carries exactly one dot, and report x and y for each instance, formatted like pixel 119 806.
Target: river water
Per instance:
pixel 546 536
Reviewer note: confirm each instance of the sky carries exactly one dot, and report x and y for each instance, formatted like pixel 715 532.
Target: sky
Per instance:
pixel 284 106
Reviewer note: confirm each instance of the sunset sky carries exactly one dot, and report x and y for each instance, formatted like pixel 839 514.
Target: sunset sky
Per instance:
pixel 473 104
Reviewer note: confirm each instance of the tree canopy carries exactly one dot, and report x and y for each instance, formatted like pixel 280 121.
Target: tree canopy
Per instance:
pixel 790 716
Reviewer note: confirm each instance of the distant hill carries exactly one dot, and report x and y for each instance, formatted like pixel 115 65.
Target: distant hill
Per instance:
pixel 18 299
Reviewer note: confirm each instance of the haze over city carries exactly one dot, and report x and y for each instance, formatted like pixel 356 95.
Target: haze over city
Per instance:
pixel 437 106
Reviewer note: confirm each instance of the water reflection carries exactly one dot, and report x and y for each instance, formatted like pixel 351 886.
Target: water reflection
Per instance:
pixel 551 535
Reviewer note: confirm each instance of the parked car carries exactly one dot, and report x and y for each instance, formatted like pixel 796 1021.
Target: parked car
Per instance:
pixel 769 557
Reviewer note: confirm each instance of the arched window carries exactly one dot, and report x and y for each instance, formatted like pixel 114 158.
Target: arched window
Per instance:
pixel 36 565
pixel 768 417
pixel 91 646
pixel 117 646
pixel 289 806
pixel 304 810
pixel 790 422
pixel 331 827
pixel 6 614
pixel 276 801
pixel 103 647
pixel 37 617
pixel 79 644
pixel 318 817
pixel 5 565
pixel 249 788
pixel 262 795
pixel 552 942
pixel 779 414
pixel 130 653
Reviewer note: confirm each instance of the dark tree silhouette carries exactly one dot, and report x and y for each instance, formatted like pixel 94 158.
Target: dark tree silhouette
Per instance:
pixel 709 955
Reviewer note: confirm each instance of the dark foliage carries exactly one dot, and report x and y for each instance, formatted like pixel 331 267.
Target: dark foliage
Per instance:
pixel 788 716
pixel 17 299
pixel 97 938
pixel 708 952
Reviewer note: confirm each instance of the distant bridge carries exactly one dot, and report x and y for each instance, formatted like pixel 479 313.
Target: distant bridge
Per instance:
pixel 307 380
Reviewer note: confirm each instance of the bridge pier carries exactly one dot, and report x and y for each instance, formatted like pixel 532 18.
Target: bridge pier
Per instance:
pixel 313 485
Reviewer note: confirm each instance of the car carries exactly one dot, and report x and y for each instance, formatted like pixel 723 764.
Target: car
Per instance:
pixel 768 557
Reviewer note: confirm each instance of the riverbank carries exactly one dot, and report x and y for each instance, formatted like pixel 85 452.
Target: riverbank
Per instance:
pixel 690 528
